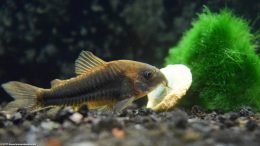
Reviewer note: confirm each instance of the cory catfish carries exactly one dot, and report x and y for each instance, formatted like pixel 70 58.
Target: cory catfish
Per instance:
pixel 98 84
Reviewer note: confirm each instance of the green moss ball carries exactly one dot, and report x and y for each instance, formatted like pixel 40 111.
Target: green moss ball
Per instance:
pixel 225 68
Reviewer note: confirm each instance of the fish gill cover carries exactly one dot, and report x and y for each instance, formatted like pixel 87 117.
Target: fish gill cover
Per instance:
pixel 220 51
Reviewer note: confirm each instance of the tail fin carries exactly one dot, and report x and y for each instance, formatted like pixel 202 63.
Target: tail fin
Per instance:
pixel 25 95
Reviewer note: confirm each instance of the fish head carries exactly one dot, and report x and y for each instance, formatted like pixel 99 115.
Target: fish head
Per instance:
pixel 148 78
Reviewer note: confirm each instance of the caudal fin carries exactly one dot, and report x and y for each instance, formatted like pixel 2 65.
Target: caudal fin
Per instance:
pixel 25 95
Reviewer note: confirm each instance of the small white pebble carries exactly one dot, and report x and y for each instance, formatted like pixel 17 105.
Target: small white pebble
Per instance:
pixel 86 143
pixel 49 125
pixel 76 118
pixel 8 116
pixel 138 127
pixel 17 116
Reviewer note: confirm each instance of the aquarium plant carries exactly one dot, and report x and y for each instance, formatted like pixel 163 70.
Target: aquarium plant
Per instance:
pixel 220 52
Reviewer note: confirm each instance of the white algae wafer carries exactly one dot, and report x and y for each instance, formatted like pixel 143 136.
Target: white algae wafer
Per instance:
pixel 165 98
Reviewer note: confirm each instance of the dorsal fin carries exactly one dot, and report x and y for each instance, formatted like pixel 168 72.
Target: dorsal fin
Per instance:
pixel 86 61
pixel 56 82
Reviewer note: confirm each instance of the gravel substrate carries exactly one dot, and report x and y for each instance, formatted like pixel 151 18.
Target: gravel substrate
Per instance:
pixel 131 127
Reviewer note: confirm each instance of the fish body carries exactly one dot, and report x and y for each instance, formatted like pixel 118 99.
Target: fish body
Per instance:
pixel 98 84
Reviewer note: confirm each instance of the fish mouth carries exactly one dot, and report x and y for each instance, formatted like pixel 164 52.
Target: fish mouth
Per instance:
pixel 165 83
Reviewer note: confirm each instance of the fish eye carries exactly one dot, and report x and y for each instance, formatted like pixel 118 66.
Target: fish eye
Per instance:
pixel 147 75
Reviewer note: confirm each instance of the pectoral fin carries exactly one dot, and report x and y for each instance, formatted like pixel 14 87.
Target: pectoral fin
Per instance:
pixel 123 104
pixel 105 108
pixel 37 109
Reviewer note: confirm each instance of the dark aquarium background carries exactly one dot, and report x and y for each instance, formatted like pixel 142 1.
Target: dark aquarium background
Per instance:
pixel 40 39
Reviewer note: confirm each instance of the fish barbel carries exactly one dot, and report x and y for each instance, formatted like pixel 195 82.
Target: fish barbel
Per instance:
pixel 98 84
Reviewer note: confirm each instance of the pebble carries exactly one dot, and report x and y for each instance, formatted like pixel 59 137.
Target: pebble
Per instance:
pixel 191 135
pixel 23 111
pixel 49 125
pixel 53 141
pixel 233 116
pixel 30 116
pixel 83 110
pixel 251 125
pixel 17 118
pixel 245 111
pixel 198 111
pixel 202 126
pixel 107 123
pixel 126 112
pixel 84 143
pixel 143 112
pixel 180 119
pixel 2 120
pixel 64 114
pixel 67 124
pixel 181 123
pixel 118 133
pixel 76 118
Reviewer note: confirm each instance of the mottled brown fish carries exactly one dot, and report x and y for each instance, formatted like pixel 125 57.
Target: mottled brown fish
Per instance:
pixel 98 84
